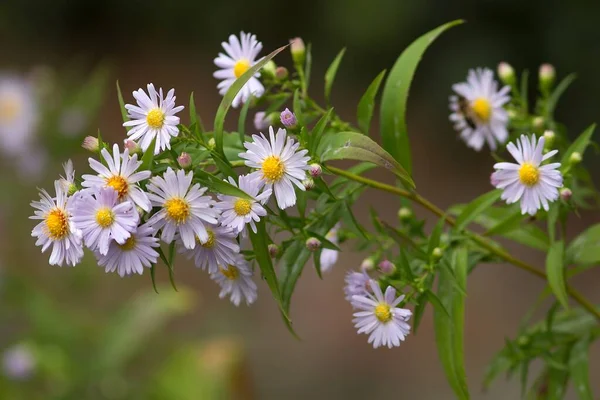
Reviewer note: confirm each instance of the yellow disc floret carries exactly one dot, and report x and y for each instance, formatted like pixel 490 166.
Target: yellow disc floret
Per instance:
pixel 240 67
pixel 231 272
pixel 529 174
pixel 155 118
pixel 210 243
pixel 105 217
pixel 242 207
pixel 383 312
pixel 57 224
pixel 128 245
pixel 118 183
pixel 273 169
pixel 482 108
pixel 178 210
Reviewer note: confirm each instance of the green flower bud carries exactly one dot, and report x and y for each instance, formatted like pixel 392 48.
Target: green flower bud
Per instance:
pixel 506 73
pixel 437 253
pixel 269 69
pixel 273 250
pixel 575 158
pixel 538 122
pixel 547 75
pixel 313 244
pixel 298 50
pixel 72 189
pixel 549 136
pixel 405 214
pixel 367 264
pixel 211 144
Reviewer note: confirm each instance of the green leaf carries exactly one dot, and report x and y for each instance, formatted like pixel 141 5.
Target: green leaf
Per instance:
pixel 230 95
pixel 224 166
pixel 434 240
pixel 349 217
pixel 220 186
pixel 356 146
pixel 579 368
pixel 148 157
pixel 579 146
pixel 195 121
pixel 476 207
pixel 124 114
pixel 395 95
pixel 330 74
pixel 153 277
pixel 560 89
pixel 168 263
pixel 317 131
pixel 585 248
pixel 555 269
pixel 509 224
pixel 366 105
pixel 291 264
pixel 242 120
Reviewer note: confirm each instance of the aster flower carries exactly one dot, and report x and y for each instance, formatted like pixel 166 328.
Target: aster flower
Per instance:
pixel 153 117
pixel 18 114
pixel 132 256
pixel 329 256
pixel 279 164
pixel 241 56
pixel 236 281
pixel 57 227
pixel 236 212
pixel 357 283
pixel 184 209
pixel 220 249
pixel 120 175
pixel 101 218
pixel 477 111
pixel 534 185
pixel 378 316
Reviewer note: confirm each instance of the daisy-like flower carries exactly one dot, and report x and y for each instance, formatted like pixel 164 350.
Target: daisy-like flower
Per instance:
pixel 279 164
pixel 534 184
pixel 101 218
pixel 357 283
pixel 241 56
pixel 477 111
pixel 57 227
pixel 220 249
pixel 378 316
pixel 68 181
pixel 184 208
pixel 18 114
pixel 120 175
pixel 153 117
pixel 236 212
pixel 132 256
pixel 236 281
pixel 329 256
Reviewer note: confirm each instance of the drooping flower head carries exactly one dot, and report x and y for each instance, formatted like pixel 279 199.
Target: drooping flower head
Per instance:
pixel 153 117
pixel 241 56
pixel 534 184
pixel 477 111
pixel 18 114
pixel 220 248
pixel 280 165
pixel 236 281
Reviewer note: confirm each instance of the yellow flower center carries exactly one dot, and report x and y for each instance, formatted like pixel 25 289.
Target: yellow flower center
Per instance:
pixel 482 109
pixel 128 245
pixel 210 243
pixel 242 207
pixel 155 118
pixel 240 67
pixel 273 169
pixel 9 108
pixel 529 174
pixel 57 224
pixel 383 313
pixel 178 210
pixel 118 183
pixel 231 272
pixel 105 217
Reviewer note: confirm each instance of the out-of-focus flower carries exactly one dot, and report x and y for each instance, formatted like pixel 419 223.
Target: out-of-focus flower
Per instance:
pixel 221 248
pixel 281 73
pixel 260 121
pixel 18 362
pixel 357 283
pixel 387 267
pixel 330 256
pixel 18 114
pixel 236 281
pixel 506 73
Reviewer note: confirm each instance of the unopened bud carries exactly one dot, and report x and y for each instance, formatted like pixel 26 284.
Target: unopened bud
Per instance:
pixel 437 253
pixel 72 189
pixel 132 146
pixel 298 50
pixel 565 194
pixel 575 158
pixel 367 264
pixel 211 144
pixel 273 250
pixel 91 143
pixel 538 122
pixel 260 121
pixel 308 183
pixel 547 75
pixel 315 170
pixel 549 136
pixel 313 244
pixel 512 114
pixel 184 160
pixel 405 214
pixel 523 340
pixel 281 73
pixel 269 69
pixel 387 267
pixel 288 118
pixel 506 73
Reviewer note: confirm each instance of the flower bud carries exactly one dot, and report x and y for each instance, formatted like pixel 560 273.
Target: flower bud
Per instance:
pixel 281 73
pixel 91 143
pixel 387 267
pixel 211 144
pixel 506 73
pixel 315 170
pixel 269 69
pixel 273 250
pixel 132 146
pixel 575 158
pixel 367 264
pixel 260 121
pixel 549 136
pixel 437 253
pixel 404 214
pixel 72 189
pixel 547 75
pixel 538 122
pixel 298 50
pixel 512 114
pixel 184 160
pixel 565 194
pixel 313 244
pixel 308 183
pixel 288 118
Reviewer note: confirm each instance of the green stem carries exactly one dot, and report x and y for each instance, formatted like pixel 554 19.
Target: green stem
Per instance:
pixel 475 237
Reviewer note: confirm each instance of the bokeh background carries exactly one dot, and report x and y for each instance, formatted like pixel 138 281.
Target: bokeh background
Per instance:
pixel 112 338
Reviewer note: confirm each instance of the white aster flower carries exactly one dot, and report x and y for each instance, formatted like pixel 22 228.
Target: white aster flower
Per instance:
pixel 279 164
pixel 101 218
pixel 241 56
pixel 153 117
pixel 57 227
pixel 378 316
pixel 120 175
pixel 329 256
pixel 236 281
pixel 220 248
pixel 132 256
pixel 184 208
pixel 477 111
pixel 357 283
pixel 533 184
pixel 236 212
pixel 18 114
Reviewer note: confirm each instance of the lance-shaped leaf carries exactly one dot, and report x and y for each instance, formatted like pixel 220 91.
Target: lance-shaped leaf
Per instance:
pixel 220 186
pixel 585 248
pixel 290 266
pixel 476 207
pixel 122 106
pixel 148 157
pixel 317 131
pixel 560 89
pixel 195 122
pixel 555 269
pixel 579 146
pixel 579 366
pixel 366 105
pixel 395 96
pixel 330 74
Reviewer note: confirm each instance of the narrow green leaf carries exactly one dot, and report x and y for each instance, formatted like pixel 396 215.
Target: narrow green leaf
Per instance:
pixel 552 219
pixel 585 248
pixel 291 264
pixel 437 304
pixel 220 186
pixel 349 216
pixel 579 368
pixel 395 95
pixel 317 262
pixel 558 91
pixel 224 166
pixel 476 207
pixel 242 120
pixel 124 114
pixel 317 131
pixel 421 304
pixel 148 157
pixel 366 105
pixel 153 277
pixel 164 259
pixel 330 74
pixel 509 224
pixel 195 121
pixel 555 269
pixel 579 146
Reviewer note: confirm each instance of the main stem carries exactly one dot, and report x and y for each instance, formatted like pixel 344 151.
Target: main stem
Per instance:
pixel 578 297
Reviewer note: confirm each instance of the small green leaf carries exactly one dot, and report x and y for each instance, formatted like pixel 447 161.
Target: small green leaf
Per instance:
pixel 148 157
pixel 560 89
pixel 555 269
pixel 579 368
pixel 317 262
pixel 585 248
pixel 124 114
pixel 224 166
pixel 509 224
pixel 317 131
pixel 195 121
pixel 330 74
pixel 476 207
pixel 349 216
pixel 366 105
pixel 579 146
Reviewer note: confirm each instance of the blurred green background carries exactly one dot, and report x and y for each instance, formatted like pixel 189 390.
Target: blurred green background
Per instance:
pixel 99 336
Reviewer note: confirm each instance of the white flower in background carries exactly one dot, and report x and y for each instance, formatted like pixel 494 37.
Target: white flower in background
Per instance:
pixel 120 175
pixel 153 117
pixel 18 114
pixel 236 212
pixel 357 283
pixel 236 281
pixel 101 218
pixel 68 181
pixel 261 121
pixel 527 181
pixel 329 256
pixel 184 209
pixel 477 111
pixel 378 316
pixel 57 227
pixel 132 256
pixel 241 56
pixel 18 362
pixel 221 248
pixel 279 164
